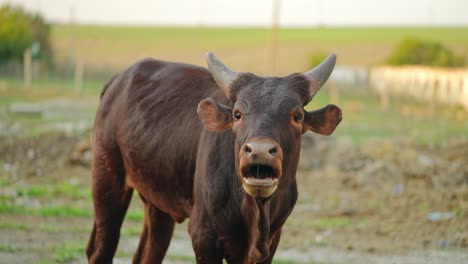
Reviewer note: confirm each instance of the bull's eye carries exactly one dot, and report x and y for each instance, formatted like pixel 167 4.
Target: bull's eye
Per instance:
pixel 297 117
pixel 237 115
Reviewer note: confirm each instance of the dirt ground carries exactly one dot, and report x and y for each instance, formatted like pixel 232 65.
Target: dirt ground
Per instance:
pixel 386 201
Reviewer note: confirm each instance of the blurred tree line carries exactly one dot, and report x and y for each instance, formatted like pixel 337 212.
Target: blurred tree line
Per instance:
pixel 412 51
pixel 20 30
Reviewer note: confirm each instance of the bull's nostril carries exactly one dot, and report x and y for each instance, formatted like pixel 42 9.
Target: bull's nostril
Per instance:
pixel 272 151
pixel 248 150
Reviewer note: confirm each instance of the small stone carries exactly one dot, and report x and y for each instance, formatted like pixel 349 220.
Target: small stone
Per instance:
pixel 425 160
pixel 439 216
pixel 426 243
pixel 318 238
pixel 443 244
pixel 31 154
pixel 464 242
pixel 371 250
pixel 7 166
pixel 461 240
pixel 398 189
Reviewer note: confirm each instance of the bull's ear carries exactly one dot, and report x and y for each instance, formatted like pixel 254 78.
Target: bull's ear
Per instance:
pixel 214 117
pixel 323 121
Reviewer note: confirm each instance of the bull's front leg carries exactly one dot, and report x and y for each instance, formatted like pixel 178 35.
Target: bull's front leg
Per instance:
pixel 273 246
pixel 204 239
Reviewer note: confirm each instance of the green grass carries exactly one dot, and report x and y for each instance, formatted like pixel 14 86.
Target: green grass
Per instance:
pixel 6 99
pixel 16 226
pixel 6 208
pixel 48 228
pixel 69 251
pixel 7 247
pixel 45 261
pixel 63 211
pixel 74 191
pixel 135 215
pixel 180 258
pixel 374 34
pixel 363 119
pixel 239 36
pixel 57 190
pixel 121 254
pixel 161 36
pixel 45 211
pixel 53 86
pixel 34 191
pixel 4 182
pixel 131 231
pixel 331 223
pixel 114 47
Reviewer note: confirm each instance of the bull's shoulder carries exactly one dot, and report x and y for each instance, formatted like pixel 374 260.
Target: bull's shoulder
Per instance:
pixel 147 76
pixel 149 69
pixel 153 87
pixel 145 67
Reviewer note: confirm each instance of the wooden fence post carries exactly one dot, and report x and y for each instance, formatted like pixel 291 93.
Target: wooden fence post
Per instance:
pixel 334 93
pixel 384 101
pixel 79 70
pixel 27 68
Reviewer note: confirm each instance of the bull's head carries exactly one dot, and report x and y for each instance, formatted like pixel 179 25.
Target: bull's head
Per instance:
pixel 267 118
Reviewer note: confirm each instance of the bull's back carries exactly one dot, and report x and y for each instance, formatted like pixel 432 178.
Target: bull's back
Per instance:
pixel 149 111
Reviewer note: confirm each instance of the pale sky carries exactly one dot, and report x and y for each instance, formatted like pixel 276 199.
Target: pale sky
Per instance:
pixel 253 12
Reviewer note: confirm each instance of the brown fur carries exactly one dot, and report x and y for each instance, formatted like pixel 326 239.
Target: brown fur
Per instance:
pixel 148 137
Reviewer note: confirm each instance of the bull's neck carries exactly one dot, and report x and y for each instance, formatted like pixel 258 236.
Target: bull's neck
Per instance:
pixel 256 213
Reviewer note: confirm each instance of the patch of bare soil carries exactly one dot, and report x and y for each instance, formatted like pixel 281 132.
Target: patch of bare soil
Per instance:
pixel 383 196
pixel 387 201
pixel 34 157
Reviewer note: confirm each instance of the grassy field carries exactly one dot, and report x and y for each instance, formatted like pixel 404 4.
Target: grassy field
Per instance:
pixel 244 49
pixel 62 211
pixel 114 48
pixel 363 118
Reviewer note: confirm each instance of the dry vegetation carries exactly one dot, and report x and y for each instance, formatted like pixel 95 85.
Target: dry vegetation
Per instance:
pixel 117 47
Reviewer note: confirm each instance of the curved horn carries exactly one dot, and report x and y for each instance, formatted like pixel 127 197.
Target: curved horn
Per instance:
pixel 222 75
pixel 319 75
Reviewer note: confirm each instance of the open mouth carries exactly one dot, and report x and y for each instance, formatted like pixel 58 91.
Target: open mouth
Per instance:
pixel 259 175
pixel 259 179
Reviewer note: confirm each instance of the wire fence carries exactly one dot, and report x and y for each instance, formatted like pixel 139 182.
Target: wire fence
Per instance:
pixel 69 75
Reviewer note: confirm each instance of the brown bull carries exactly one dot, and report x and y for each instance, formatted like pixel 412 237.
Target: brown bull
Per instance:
pixel 231 168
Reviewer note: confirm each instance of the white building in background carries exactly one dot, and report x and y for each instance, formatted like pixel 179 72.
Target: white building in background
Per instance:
pixel 294 13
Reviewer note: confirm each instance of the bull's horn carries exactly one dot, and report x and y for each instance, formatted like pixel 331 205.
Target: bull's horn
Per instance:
pixel 319 75
pixel 222 75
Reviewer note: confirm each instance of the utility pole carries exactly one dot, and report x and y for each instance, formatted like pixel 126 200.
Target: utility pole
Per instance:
pixel 72 36
pixel 273 45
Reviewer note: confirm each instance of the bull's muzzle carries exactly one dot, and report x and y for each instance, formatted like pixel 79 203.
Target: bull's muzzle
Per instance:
pixel 260 166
